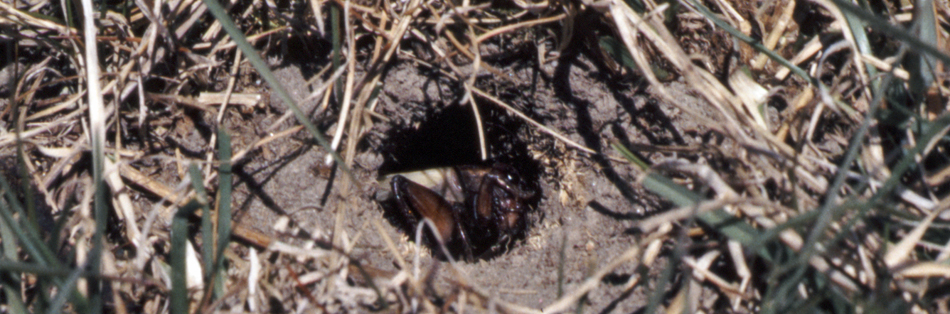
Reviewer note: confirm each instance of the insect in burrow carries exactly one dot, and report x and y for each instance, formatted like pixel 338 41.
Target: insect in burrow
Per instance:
pixel 475 209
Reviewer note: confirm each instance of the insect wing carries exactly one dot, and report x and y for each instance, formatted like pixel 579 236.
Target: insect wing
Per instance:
pixel 442 181
pixel 427 204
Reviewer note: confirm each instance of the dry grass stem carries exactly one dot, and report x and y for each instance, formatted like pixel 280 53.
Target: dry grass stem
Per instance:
pixel 531 121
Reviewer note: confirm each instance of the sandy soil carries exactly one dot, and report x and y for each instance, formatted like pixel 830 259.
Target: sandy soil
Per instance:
pixel 589 202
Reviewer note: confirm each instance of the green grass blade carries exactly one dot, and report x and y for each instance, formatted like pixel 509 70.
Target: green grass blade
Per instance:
pixel 828 208
pixel 101 217
pixel 179 243
pixel 666 188
pixel 38 270
pixel 921 66
pixel 337 43
pixel 254 57
pixel 856 26
pixel 655 298
pixel 731 226
pixel 65 291
pixel 207 229
pixel 29 238
pixel 224 206
pixel 25 181
pixel 8 279
pixel 33 244
pixel 561 257
pixel 643 166
pixel 721 221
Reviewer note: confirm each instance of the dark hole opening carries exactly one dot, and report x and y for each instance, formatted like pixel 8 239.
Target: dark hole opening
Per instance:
pixel 447 136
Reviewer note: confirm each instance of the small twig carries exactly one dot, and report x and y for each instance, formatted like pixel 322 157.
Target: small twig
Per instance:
pixel 347 90
pixel 261 142
pixel 531 121
pixel 508 28
pixel 480 128
pixel 229 89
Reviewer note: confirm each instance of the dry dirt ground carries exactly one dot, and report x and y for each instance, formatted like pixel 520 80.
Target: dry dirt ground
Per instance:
pixel 588 205
pixel 556 67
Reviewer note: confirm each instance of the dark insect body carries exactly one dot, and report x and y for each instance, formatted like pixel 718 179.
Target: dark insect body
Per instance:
pixel 475 209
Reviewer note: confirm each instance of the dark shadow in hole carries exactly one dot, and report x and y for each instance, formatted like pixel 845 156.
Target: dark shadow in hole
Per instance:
pixel 447 137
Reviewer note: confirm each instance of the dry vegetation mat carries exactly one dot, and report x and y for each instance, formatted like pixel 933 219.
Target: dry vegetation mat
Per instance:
pixel 190 156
